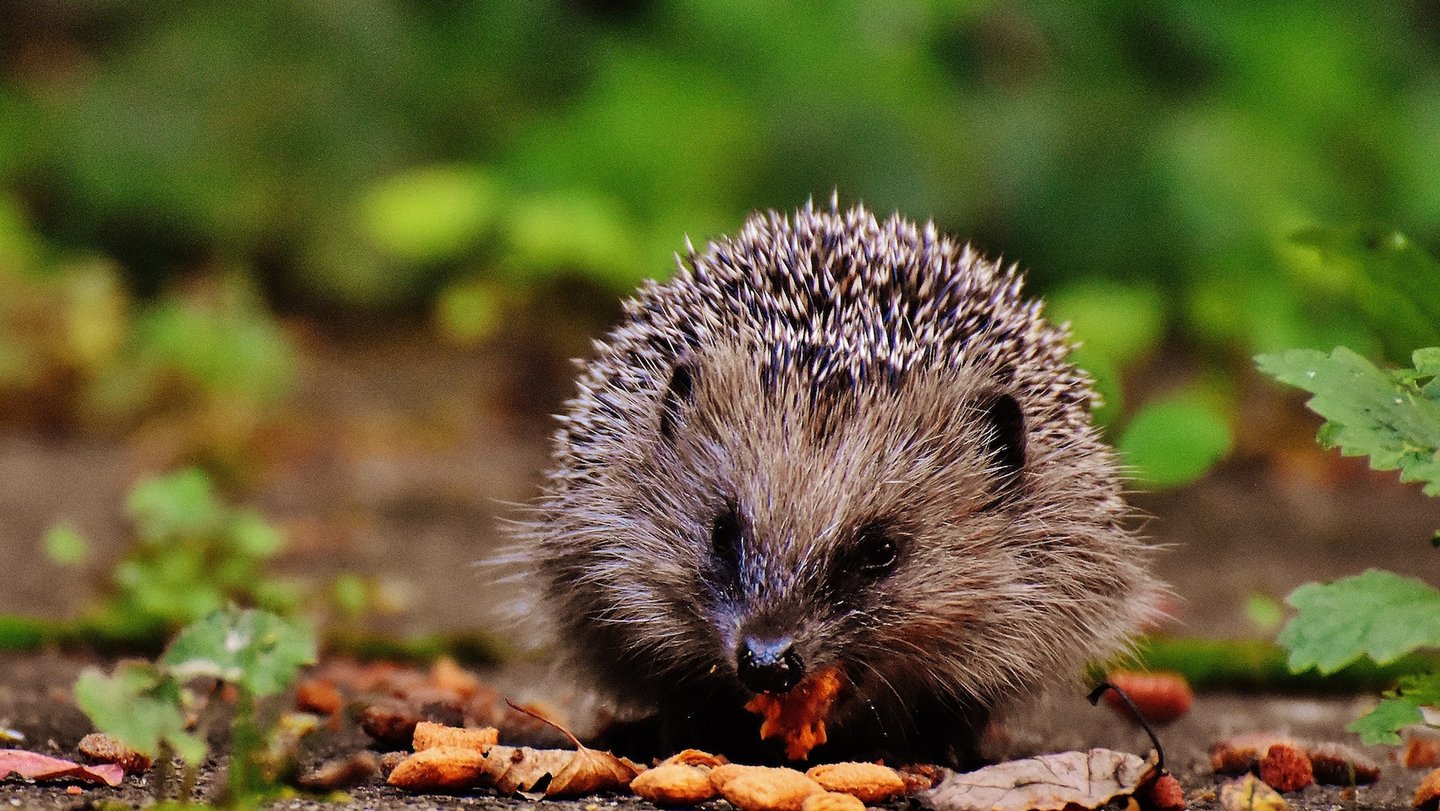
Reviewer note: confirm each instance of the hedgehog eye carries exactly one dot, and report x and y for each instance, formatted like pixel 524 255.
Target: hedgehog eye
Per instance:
pixel 876 551
pixel 725 537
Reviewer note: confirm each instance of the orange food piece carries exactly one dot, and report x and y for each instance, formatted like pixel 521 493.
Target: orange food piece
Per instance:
pixel 799 715
pixel 1161 697
pixel 832 801
pixel 868 782
pixel 319 696
pixel 429 735
pixel 102 748
pixel 1427 797
pixel 1165 794
pixel 1286 767
pixel 1422 749
pixel 441 768
pixel 674 784
pixel 695 757
pixel 763 788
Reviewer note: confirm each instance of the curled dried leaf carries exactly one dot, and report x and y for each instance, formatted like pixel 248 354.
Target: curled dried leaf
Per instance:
pixel 1045 783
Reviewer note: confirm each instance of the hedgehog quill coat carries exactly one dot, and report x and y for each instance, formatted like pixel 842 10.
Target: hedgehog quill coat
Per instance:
pixel 831 442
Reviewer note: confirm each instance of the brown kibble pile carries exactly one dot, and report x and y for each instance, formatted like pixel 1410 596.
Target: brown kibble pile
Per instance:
pixel 867 782
pixel 1282 761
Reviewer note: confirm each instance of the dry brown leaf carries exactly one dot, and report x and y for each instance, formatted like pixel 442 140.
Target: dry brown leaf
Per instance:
pixel 1045 783
pixel 674 784
pixel 869 782
pixel 442 769
pixel 34 766
pixel 764 788
pixel 429 735
pixel 102 748
pixel 798 716
pixel 1250 793
pixel 520 768
pixel 590 771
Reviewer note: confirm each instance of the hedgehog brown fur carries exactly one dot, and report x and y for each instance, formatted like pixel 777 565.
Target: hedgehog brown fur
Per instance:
pixel 834 442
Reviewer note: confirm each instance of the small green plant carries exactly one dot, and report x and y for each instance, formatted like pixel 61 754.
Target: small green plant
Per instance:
pixel 192 555
pixel 1394 418
pixel 145 705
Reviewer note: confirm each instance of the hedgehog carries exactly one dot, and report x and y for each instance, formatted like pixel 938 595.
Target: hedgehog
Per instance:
pixel 832 443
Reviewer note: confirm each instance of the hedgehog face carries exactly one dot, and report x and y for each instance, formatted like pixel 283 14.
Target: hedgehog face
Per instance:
pixel 820 526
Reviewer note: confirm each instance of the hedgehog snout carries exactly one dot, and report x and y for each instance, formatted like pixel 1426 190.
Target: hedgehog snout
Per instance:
pixel 768 664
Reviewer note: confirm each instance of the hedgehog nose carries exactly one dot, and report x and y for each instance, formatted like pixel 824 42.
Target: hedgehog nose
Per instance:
pixel 768 665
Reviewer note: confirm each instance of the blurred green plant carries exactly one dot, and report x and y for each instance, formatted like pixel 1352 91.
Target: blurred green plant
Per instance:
pixel 1394 418
pixel 192 555
pixel 145 705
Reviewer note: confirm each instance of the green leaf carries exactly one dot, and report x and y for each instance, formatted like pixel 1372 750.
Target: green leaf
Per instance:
pixel 1391 281
pixel 181 503
pixel 1110 320
pixel 430 214
pixel 65 545
pixel 257 650
pixel 1381 724
pixel 1369 411
pixel 139 706
pixel 1377 614
pixel 1174 442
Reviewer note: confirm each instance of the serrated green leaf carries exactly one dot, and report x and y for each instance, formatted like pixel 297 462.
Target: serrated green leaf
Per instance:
pixel 1369 412
pixel 139 706
pixel 1377 614
pixel 1381 724
pixel 257 650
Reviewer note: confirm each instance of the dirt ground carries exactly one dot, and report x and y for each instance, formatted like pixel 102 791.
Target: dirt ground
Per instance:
pixel 417 455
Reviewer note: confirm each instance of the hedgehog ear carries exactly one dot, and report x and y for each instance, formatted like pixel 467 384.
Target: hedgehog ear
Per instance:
pixel 679 394
pixel 1004 442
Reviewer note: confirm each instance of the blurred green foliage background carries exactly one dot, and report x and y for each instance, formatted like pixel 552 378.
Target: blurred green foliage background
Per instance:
pixel 1151 163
